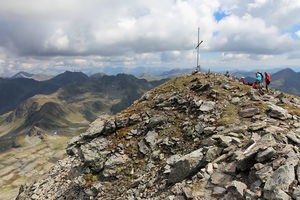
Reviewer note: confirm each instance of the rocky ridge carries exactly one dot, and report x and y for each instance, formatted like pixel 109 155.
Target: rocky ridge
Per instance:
pixel 194 137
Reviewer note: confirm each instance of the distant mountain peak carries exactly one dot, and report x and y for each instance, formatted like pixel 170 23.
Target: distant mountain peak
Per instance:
pixel 22 74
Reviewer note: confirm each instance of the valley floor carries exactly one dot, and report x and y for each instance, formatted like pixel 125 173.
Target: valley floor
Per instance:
pixel 28 164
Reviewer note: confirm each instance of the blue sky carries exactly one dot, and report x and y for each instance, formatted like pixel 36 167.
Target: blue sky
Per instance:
pixel 43 36
pixel 219 15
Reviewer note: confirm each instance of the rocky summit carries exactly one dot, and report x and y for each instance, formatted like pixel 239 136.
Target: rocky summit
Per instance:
pixel 201 136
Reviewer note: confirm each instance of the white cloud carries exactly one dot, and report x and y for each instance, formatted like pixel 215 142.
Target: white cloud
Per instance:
pixel 298 33
pixel 146 33
pixel 59 40
pixel 231 56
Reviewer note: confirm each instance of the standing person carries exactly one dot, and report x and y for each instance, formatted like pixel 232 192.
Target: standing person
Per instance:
pixel 262 80
pixel 268 80
pixel 227 74
pixel 242 80
pixel 258 80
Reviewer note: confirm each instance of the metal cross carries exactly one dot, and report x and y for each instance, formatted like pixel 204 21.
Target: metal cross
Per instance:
pixel 197 47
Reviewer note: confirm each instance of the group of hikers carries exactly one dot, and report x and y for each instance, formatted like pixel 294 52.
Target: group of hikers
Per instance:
pixel 258 84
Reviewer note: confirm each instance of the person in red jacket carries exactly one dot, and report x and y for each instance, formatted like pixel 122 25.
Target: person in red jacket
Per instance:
pixel 268 80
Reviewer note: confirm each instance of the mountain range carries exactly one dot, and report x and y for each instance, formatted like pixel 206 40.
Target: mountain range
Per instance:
pixel 200 136
pixel 74 102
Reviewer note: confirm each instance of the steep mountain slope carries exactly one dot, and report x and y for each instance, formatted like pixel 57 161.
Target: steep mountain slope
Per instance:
pixel 193 137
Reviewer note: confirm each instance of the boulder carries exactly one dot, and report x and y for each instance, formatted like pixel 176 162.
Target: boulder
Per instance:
pixel 221 179
pixel 96 128
pixel 207 106
pixel 277 112
pixel 281 179
pixel 257 126
pixel 109 126
pixel 113 164
pixel 276 194
pixel 235 100
pixel 237 188
pixel 151 138
pixel 265 155
pixel 156 120
pixel 248 112
pixel 219 191
pixel 186 166
pixel 143 147
pixel 252 94
pixel 294 137
pixel 93 154
pixel 245 159
pixel 296 193
pixel 264 174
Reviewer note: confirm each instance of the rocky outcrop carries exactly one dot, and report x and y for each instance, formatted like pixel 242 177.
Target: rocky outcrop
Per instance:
pixel 195 137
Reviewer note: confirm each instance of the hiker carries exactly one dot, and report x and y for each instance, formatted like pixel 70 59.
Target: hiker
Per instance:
pixel 262 78
pixel 258 80
pixel 227 74
pixel 268 80
pixel 242 80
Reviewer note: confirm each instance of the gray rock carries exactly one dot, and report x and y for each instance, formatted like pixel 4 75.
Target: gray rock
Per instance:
pixel 209 168
pixel 113 163
pixel 95 129
pixel 239 129
pixel 198 87
pixel 294 137
pixel 228 87
pixel 173 159
pixel 257 126
pixel 199 129
pixel 143 147
pixel 134 119
pixel 265 155
pixel 93 154
pixel 229 168
pixel 209 130
pixel 187 193
pixel 277 112
pixel 156 120
pixel 296 101
pixel 151 138
pixel 296 193
pixel 121 122
pixel 212 153
pixel 248 112
pixel 281 179
pixel 252 94
pixel 264 174
pixel 219 191
pixel 221 179
pixel 235 100
pixel 249 195
pixel 298 172
pixel 225 140
pixel 185 166
pixel 109 126
pixel 276 194
pixel 207 106
pixel 273 129
pixel 245 160
pixel 237 188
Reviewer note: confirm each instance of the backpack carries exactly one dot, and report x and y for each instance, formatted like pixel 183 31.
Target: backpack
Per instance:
pixel 268 78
